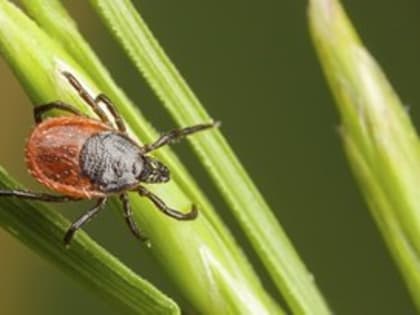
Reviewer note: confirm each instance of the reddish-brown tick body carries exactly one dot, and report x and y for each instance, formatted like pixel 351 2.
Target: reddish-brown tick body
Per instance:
pixel 53 154
pixel 85 158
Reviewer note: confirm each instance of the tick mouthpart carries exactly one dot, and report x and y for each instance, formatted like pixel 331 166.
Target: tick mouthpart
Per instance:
pixel 154 171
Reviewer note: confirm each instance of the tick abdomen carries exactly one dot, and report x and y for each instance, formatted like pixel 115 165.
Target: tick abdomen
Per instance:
pixel 52 154
pixel 112 161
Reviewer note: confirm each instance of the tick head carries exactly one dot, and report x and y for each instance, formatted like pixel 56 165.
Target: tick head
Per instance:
pixel 154 171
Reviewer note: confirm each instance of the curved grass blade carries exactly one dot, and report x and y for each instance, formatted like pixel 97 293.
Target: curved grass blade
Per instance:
pixel 42 229
pixel 260 225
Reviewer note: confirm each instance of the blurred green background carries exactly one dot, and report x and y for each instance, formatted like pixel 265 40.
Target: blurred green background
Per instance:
pixel 254 68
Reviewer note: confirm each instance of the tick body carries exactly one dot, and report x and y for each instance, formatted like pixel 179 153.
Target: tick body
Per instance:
pixel 85 158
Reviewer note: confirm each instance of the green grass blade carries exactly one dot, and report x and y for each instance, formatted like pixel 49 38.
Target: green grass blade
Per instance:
pixel 380 140
pixel 266 235
pixel 200 256
pixel 42 229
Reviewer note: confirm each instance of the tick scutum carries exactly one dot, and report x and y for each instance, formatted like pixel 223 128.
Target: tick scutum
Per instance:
pixel 112 161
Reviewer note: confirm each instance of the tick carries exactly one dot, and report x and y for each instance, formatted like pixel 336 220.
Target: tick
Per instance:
pixel 84 158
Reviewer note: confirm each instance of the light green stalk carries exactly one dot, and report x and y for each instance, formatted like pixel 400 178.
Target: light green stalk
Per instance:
pixel 381 143
pixel 199 256
pixel 253 213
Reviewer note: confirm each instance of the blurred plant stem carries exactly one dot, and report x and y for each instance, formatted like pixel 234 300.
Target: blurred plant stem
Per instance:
pixel 379 139
pixel 199 256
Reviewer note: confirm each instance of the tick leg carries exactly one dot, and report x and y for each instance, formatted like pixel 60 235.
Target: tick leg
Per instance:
pixel 165 209
pixel 41 109
pixel 128 215
pixel 177 134
pixel 111 107
pixel 85 218
pixel 35 196
pixel 86 97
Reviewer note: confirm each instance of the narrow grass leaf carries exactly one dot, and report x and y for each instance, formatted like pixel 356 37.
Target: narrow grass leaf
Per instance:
pixel 260 225
pixel 42 229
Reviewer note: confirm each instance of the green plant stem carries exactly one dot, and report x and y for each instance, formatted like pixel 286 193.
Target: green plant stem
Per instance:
pixel 199 256
pixel 42 229
pixel 266 235
pixel 379 138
